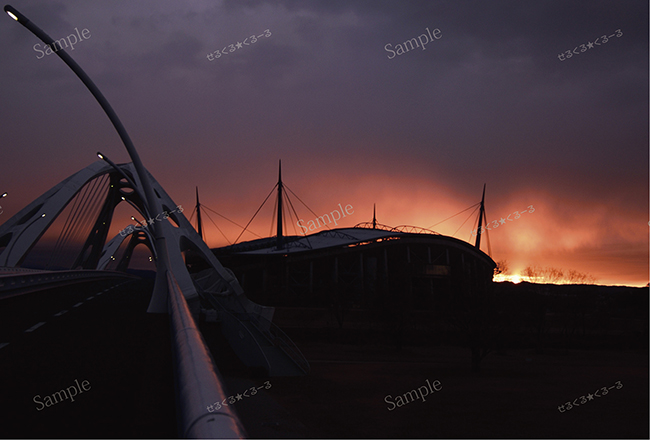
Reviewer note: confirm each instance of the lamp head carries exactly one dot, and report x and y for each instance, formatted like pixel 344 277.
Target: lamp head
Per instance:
pixel 13 13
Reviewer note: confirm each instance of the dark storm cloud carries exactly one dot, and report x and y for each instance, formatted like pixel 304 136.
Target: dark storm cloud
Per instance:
pixel 488 102
pixel 500 56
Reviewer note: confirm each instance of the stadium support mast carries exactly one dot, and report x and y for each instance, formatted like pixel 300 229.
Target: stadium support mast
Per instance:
pixel 199 224
pixel 374 217
pixel 280 244
pixel 480 220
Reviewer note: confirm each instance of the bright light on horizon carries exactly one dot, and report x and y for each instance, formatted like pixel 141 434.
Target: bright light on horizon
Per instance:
pixel 516 279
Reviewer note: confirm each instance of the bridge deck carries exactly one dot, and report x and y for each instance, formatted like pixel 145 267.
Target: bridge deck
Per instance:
pixel 50 339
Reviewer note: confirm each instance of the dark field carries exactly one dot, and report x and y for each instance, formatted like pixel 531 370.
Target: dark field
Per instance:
pixel 110 341
pixel 514 396
pixel 547 345
pixel 124 353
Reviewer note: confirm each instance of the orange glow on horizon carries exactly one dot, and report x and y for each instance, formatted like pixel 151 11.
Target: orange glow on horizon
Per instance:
pixel 516 279
pixel 563 233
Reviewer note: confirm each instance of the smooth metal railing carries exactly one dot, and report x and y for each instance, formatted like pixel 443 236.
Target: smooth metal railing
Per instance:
pixel 198 382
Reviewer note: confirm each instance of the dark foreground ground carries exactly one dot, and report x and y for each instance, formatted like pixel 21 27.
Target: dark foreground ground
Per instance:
pixel 562 343
pixel 105 337
pixel 516 395
pixel 124 353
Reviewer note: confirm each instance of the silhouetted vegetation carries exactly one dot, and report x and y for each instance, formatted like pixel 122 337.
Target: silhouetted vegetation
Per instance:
pixel 554 275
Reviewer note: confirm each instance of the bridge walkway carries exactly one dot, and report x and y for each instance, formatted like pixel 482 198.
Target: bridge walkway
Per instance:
pixel 93 333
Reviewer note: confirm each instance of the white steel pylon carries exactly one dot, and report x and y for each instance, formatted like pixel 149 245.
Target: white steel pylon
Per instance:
pixel 21 232
pixel 167 238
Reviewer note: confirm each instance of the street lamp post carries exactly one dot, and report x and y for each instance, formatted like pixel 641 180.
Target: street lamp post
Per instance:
pixel 158 303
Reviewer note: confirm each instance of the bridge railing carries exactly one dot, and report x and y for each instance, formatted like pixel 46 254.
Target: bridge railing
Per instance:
pixel 198 382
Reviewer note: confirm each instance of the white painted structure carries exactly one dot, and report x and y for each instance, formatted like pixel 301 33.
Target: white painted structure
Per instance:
pixel 21 232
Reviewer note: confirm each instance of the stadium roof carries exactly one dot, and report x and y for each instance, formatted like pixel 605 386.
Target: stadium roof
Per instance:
pixel 361 234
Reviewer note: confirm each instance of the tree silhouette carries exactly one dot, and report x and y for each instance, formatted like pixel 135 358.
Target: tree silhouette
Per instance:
pixel 552 275
pixel 502 267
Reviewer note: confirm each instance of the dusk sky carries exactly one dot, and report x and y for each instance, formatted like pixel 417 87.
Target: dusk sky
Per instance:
pixel 419 133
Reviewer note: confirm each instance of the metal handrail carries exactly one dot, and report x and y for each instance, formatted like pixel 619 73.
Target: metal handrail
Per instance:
pixel 198 381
